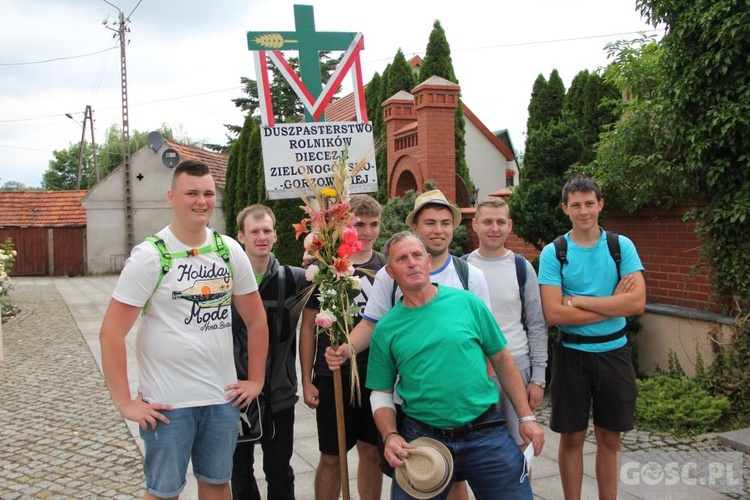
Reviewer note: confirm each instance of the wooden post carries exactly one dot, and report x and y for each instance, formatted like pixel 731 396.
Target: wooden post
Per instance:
pixel 338 392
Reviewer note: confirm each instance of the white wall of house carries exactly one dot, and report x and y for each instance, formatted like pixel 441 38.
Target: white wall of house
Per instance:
pixel 486 163
pixel 105 210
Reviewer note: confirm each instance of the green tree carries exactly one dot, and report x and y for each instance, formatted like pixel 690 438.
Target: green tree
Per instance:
pixel 591 106
pixel 231 179
pixel 15 186
pixel 62 172
pixel 631 164
pixel 373 92
pixel 535 208
pixel 551 150
pixel 536 118
pixel 438 62
pixel 546 104
pixel 553 144
pixel 707 103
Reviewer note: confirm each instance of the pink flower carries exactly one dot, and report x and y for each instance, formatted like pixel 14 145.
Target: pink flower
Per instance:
pixel 350 236
pixel 325 318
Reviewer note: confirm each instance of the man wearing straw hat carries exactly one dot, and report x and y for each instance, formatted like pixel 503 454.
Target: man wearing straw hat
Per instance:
pixel 446 393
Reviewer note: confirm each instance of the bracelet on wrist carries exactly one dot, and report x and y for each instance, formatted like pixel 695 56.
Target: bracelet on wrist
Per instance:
pixel 570 304
pixel 528 418
pixel 385 438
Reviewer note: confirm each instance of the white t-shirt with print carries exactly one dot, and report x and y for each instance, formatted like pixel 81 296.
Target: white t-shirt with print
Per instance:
pixel 184 344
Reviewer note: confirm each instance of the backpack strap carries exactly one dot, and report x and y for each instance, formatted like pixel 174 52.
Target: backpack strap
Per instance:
pixel 462 268
pixel 520 262
pixel 217 246
pixel 166 264
pixel 613 243
pixel 221 249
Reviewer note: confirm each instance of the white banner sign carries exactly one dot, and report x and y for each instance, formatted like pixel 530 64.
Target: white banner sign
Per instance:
pixel 294 152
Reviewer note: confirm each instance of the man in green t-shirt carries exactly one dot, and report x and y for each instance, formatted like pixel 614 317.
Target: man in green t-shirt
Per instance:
pixel 436 340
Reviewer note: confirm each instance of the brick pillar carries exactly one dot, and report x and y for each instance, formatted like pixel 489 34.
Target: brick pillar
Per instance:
pixel 398 111
pixel 435 102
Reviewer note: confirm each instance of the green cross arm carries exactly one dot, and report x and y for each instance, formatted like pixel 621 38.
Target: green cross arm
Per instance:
pixel 308 42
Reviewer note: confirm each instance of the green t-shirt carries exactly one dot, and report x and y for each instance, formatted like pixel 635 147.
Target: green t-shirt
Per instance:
pixel 438 350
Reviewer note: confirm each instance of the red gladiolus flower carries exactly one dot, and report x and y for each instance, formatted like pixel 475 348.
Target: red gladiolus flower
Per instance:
pixel 344 251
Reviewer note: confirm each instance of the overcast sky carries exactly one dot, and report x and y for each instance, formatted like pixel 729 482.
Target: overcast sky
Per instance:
pixel 185 59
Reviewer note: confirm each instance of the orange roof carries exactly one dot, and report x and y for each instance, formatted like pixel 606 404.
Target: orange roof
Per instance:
pixel 217 162
pixel 42 209
pixel 342 110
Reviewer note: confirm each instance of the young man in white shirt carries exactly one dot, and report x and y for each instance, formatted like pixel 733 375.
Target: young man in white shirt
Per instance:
pixel 517 311
pixel 189 395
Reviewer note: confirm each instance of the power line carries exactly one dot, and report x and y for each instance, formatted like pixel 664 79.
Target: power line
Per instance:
pixel 558 40
pixel 131 12
pixel 56 58
pixel 537 42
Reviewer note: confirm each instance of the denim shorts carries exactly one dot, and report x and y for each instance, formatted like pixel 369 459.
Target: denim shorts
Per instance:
pixel 205 434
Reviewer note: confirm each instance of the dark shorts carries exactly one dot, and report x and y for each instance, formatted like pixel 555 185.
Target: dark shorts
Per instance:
pixel 358 420
pixel 607 379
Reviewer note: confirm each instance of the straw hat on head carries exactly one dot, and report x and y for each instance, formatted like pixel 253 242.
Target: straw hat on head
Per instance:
pixel 428 469
pixel 434 197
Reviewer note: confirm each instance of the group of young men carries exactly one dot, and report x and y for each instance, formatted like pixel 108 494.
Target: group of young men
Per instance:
pixel 449 349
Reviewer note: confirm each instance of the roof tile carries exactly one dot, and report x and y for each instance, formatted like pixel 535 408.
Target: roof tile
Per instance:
pixel 42 209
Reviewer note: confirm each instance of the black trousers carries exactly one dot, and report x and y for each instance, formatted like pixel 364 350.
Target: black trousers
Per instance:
pixel 277 454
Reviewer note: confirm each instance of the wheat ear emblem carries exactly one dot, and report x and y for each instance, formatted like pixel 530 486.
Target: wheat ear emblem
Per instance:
pixel 272 40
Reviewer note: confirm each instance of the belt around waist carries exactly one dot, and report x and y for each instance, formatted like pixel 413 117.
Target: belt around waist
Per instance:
pixel 480 422
pixel 572 338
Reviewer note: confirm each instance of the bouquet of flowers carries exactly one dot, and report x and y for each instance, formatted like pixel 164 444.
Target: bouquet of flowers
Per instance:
pixel 332 239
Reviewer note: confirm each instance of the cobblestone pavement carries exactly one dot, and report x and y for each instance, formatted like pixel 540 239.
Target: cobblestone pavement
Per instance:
pixel 60 435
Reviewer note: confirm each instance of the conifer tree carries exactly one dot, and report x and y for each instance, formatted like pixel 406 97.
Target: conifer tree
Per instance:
pixel 438 62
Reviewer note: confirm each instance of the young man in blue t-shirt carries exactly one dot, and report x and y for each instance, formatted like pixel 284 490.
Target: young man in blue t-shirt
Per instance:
pixel 585 298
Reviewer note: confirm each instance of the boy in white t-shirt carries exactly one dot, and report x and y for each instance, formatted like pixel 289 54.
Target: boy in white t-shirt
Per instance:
pixel 189 396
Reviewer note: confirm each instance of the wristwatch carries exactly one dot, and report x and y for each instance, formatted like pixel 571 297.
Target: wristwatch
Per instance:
pixel 541 384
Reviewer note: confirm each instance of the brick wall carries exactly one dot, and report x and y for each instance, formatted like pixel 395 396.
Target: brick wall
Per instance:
pixel 668 247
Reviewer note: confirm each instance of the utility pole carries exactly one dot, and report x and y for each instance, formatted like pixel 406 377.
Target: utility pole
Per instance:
pixel 121 31
pixel 88 114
